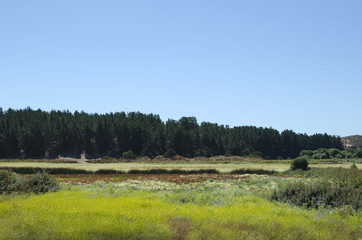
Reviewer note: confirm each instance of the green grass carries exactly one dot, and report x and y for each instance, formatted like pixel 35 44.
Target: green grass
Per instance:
pixel 149 209
pixel 108 211
pixel 146 166
pixel 141 215
pixel 221 167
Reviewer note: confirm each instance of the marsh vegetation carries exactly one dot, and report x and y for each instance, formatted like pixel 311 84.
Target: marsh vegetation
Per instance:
pixel 324 203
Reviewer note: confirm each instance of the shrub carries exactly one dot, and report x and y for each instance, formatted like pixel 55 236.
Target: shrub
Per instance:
pixel 354 166
pixel 335 187
pixel 333 152
pixel 252 171
pixel 170 153
pixel 41 182
pixel 63 170
pixel 204 152
pixel 172 171
pixel 245 152
pixel 129 155
pixel 321 153
pixel 9 181
pixel 321 150
pixel 347 154
pixel 210 171
pixel 148 171
pixel 107 159
pixel 358 154
pixel 108 171
pixel 319 193
pixel 299 163
pixel 306 153
pixel 336 174
pixel 257 154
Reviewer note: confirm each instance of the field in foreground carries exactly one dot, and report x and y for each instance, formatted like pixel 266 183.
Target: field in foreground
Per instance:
pixel 139 215
pixel 154 209
pixel 172 206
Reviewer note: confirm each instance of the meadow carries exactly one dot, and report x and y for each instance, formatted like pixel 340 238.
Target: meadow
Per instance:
pixel 176 206
pixel 222 166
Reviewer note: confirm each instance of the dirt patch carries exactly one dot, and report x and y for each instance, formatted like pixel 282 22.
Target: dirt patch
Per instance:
pixel 82 159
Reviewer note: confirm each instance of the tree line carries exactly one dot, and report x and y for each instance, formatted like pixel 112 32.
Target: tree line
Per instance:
pixel 28 133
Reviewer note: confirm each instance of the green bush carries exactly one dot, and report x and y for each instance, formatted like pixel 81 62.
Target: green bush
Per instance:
pixel 31 170
pixel 245 152
pixel 9 181
pixel 108 171
pixel 333 152
pixel 41 182
pixel 170 153
pixel 354 166
pixel 299 163
pixel 107 159
pixel 172 171
pixel 340 175
pixel 204 152
pixel 321 150
pixel 252 171
pixel 347 154
pixel 358 154
pixel 306 153
pixel 319 193
pixel 323 153
pixel 129 155
pixel 322 187
pixel 256 154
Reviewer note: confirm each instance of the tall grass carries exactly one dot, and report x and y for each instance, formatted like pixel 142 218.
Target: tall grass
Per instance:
pixel 329 187
pixel 79 214
pixel 172 171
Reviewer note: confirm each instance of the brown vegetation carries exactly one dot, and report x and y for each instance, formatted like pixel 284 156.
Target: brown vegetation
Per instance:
pixel 174 178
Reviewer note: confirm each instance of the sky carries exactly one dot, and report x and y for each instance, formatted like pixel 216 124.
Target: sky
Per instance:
pixel 283 64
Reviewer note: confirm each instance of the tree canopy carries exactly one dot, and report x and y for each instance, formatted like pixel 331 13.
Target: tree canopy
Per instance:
pixel 28 133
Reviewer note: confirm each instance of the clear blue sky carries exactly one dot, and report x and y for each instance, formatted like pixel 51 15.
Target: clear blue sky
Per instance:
pixel 281 64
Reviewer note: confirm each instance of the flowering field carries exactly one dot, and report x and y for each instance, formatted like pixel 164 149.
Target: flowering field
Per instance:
pixel 199 206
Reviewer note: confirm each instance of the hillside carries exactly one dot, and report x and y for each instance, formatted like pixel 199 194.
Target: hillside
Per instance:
pixel 354 141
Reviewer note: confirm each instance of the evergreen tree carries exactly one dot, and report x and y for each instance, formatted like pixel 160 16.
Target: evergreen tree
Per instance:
pixel 35 133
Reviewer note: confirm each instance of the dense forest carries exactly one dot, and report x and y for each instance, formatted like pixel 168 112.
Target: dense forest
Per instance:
pixel 31 133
